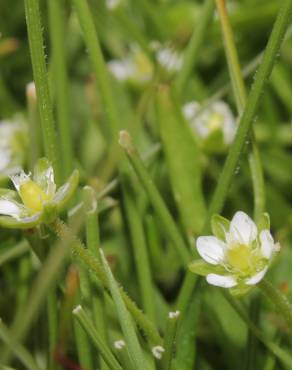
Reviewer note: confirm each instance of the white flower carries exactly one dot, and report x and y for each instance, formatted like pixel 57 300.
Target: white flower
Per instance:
pixel 217 116
pixel 169 59
pixel 135 67
pixel 242 258
pixel 12 144
pixel 112 4
pixel 157 352
pixel 39 196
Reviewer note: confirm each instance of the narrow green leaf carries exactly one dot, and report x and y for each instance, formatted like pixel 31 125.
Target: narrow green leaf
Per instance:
pixel 183 161
pixel 126 322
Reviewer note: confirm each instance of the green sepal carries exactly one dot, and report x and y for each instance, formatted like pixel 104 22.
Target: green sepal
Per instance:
pixel 200 267
pixel 264 222
pixel 240 290
pixel 8 194
pixel 219 226
pixel 23 223
pixel 49 213
pixel 66 191
pixel 214 142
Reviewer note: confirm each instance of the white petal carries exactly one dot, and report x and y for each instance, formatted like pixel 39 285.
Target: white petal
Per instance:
pixel 242 228
pixel 50 181
pixel 190 110
pixel 19 179
pixel 221 280
pixel 211 249
pixel 257 277
pixel 267 244
pixel 10 208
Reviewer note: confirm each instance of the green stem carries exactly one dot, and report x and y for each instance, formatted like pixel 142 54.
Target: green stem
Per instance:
pixel 280 301
pixel 94 265
pixel 93 242
pixel 284 357
pixel 101 74
pixel 139 247
pixel 14 252
pixel 102 347
pixel 192 53
pixel 251 106
pixel 154 196
pixel 170 339
pixel 239 91
pixel 20 352
pixel 60 82
pixel 35 36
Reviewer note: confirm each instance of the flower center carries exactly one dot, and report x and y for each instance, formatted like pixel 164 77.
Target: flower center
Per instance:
pixel 32 195
pixel 215 122
pixel 241 258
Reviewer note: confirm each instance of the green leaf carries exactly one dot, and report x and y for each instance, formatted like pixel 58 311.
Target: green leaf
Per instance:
pixel 183 161
pixel 203 268
pixel 264 222
pixel 65 192
pixel 126 322
pixel 220 226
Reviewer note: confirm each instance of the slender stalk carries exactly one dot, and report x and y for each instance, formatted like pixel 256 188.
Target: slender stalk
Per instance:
pixel 93 242
pixel 140 249
pixel 94 265
pixel 14 252
pixel 129 330
pixel 86 324
pixel 247 117
pixel 101 74
pixel 35 147
pixel 192 53
pixel 280 301
pixel 283 356
pixel 35 37
pixel 154 196
pixel 20 352
pixel 240 94
pixel 52 311
pixel 169 339
pixel 60 82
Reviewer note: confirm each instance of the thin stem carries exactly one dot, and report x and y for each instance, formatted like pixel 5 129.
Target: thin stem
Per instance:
pixel 239 92
pixel 102 347
pixel 283 356
pixel 35 36
pixel 101 74
pixel 129 330
pixel 192 53
pixel 280 301
pixel 169 339
pixel 94 265
pixel 154 196
pixel 20 352
pixel 253 100
pixel 140 249
pixel 60 82
pixel 14 252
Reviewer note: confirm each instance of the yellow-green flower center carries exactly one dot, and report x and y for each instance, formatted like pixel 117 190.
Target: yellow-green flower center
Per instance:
pixel 33 196
pixel 215 122
pixel 240 257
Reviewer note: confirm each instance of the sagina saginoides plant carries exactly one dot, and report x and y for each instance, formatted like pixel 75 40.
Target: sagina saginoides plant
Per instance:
pixel 41 201
pixel 239 254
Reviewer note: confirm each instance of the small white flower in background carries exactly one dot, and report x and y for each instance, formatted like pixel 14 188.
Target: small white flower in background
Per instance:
pixel 157 352
pixel 12 146
pixel 217 116
pixel 238 256
pixel 119 344
pixel 135 67
pixel 40 200
pixel 173 314
pixel 112 4
pixel 169 58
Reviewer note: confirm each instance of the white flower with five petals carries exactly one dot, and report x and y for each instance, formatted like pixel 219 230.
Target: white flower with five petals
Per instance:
pixel 238 256
pixel 37 199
